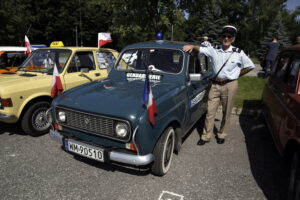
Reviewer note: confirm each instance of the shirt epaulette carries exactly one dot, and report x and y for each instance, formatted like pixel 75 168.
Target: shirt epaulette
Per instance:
pixel 236 50
pixel 217 46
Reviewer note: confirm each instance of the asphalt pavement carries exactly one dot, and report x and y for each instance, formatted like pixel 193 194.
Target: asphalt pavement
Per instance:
pixel 246 166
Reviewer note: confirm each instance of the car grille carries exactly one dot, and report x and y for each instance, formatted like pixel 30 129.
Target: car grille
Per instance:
pixel 91 123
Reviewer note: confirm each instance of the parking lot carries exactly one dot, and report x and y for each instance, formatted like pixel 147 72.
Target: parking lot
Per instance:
pixel 247 166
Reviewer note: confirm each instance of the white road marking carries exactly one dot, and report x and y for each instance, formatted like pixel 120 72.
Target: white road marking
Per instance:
pixel 166 195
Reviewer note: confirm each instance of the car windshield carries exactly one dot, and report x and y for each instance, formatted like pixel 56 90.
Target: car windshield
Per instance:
pixel 44 60
pixel 161 60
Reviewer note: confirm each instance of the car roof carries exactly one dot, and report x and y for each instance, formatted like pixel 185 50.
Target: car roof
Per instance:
pixel 81 48
pixel 293 48
pixel 12 48
pixel 159 44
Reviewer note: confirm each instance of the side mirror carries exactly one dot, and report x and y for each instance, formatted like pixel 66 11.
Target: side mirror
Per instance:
pixel 195 77
pixel 85 70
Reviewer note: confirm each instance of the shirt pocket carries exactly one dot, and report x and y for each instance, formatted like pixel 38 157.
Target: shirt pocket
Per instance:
pixel 234 63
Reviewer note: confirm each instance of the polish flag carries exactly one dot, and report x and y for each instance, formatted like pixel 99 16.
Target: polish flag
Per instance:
pixel 103 39
pixel 27 45
pixel 148 100
pixel 56 87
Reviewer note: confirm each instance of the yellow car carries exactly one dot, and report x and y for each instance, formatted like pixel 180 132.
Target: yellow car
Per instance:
pixel 25 95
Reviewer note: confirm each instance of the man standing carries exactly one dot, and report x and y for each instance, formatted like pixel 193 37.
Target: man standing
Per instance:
pixel 273 48
pixel 228 64
pixel 205 42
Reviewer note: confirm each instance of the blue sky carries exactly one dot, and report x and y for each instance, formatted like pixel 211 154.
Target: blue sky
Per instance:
pixel 292 4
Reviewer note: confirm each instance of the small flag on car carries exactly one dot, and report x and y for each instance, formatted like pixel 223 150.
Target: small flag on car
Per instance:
pixel 103 39
pixel 57 87
pixel 27 45
pixel 148 100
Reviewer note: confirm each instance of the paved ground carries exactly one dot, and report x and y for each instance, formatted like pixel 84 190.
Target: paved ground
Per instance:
pixel 257 71
pixel 247 166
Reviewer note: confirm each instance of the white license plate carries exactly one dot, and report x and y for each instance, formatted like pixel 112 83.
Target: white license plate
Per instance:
pixel 85 150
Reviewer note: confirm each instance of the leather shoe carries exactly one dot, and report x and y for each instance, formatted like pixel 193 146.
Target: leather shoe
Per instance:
pixel 220 140
pixel 202 142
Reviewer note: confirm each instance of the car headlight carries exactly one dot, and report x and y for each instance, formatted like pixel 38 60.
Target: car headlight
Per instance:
pixel 62 116
pixel 121 129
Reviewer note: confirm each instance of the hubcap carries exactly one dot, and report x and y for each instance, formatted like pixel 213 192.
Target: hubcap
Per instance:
pixel 39 120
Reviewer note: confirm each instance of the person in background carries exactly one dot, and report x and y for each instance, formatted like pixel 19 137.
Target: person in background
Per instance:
pixel 273 49
pixel 205 42
pixel 228 63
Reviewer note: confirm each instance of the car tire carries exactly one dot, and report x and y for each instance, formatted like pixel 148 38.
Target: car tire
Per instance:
pixel 294 183
pixel 163 152
pixel 34 121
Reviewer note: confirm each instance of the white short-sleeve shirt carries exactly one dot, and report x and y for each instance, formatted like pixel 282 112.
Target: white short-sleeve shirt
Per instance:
pixel 236 62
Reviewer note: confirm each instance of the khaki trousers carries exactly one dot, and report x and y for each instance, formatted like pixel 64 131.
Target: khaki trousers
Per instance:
pixel 224 94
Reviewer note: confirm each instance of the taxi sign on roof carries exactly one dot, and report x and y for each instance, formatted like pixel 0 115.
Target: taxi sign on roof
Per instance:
pixel 57 44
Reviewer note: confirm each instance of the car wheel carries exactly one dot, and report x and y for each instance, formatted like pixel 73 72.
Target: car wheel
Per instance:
pixel 35 120
pixel 163 152
pixel 294 185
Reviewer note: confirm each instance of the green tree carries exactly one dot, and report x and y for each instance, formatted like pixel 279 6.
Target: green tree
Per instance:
pixel 135 21
pixel 278 30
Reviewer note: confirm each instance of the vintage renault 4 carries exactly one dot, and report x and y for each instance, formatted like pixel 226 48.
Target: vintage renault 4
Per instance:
pixel 108 121
pixel 25 95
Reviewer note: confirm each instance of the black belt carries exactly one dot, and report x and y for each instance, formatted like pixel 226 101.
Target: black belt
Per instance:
pixel 221 81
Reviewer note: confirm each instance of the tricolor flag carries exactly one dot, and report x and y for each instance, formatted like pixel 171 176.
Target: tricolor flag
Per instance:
pixel 148 100
pixel 103 39
pixel 56 87
pixel 27 45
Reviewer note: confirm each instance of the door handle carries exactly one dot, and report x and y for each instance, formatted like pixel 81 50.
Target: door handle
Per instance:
pixel 97 74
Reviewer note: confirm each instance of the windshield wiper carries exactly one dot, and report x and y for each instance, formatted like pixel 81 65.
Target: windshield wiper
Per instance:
pixel 27 75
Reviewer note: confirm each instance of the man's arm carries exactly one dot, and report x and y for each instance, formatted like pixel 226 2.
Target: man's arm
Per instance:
pixel 190 48
pixel 245 70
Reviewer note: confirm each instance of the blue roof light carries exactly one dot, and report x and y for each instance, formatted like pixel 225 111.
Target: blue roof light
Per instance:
pixel 159 36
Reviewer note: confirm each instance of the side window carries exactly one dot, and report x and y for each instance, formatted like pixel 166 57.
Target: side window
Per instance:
pixel 198 63
pixel 106 60
pixel 293 72
pixel 82 61
pixel 15 58
pixel 282 66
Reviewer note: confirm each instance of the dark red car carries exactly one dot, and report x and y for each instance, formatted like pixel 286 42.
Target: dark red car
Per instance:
pixel 281 109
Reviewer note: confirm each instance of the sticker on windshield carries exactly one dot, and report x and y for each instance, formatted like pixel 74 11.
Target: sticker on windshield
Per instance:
pixel 197 99
pixel 140 76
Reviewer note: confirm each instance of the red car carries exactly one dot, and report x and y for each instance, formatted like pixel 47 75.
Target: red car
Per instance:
pixel 281 109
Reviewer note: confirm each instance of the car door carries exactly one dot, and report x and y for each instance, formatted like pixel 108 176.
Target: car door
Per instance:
pixel 83 69
pixel 290 100
pixel 275 95
pixel 197 90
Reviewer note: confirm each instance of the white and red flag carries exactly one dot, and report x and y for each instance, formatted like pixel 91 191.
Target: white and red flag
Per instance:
pixel 56 87
pixel 103 39
pixel 27 45
pixel 149 100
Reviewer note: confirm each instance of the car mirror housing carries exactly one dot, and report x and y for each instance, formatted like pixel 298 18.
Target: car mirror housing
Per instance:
pixel 195 77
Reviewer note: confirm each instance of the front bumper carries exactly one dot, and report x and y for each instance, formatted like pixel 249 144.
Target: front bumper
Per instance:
pixel 8 118
pixel 137 160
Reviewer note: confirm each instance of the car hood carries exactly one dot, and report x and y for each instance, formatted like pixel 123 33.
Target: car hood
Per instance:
pixel 10 82
pixel 123 99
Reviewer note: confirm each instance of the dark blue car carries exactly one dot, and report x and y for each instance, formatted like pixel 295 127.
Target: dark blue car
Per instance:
pixel 108 120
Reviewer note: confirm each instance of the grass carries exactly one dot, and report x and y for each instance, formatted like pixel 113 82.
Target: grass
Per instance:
pixel 249 92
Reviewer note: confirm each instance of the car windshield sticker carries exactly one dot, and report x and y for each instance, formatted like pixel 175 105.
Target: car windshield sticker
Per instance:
pixel 140 76
pixel 197 99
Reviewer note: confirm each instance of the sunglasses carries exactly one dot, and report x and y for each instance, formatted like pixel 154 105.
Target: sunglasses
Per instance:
pixel 227 36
